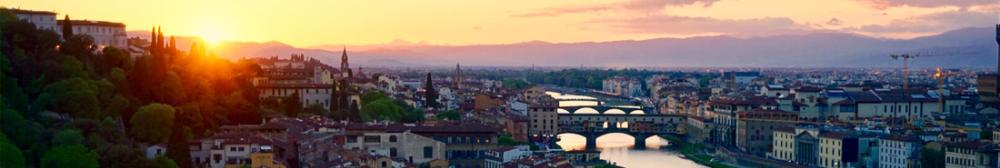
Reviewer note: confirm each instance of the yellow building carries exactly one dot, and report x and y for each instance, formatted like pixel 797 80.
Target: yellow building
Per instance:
pixel 260 160
pixel 784 144
pixel 830 149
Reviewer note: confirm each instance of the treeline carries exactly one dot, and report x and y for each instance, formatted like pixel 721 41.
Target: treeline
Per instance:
pixel 589 78
pixel 63 103
pixel 379 107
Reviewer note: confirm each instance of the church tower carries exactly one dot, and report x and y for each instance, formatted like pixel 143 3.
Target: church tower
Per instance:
pixel 345 68
pixel 343 60
pixel 458 76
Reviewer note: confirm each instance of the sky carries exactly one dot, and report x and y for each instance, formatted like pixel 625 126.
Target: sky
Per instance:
pixel 305 23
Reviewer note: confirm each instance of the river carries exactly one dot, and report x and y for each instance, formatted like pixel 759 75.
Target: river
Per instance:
pixel 617 148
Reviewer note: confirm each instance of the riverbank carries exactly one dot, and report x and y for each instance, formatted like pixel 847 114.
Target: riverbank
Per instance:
pixel 695 152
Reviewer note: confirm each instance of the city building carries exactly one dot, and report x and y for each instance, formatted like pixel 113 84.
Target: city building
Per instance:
pixel 725 111
pixel 43 20
pixel 783 144
pixel 309 79
pixel 497 157
pixel 543 117
pixel 104 33
pixel 623 86
pixel 229 149
pixel 754 129
pixel 395 141
pixel 971 154
pixel 899 151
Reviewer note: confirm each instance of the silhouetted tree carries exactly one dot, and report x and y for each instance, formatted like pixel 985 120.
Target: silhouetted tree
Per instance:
pixel 67 28
pixel 152 41
pixel 430 94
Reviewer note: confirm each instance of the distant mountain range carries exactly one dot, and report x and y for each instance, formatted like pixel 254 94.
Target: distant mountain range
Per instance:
pixel 968 47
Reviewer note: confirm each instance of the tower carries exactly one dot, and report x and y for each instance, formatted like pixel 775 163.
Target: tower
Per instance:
pixel 998 46
pixel 458 76
pixel 343 60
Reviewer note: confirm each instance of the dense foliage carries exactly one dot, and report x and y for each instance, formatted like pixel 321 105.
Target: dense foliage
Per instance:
pixel 378 107
pixel 66 102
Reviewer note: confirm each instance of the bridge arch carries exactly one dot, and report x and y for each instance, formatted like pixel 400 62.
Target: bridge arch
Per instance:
pixel 576 141
pixel 637 112
pixel 614 111
pixel 586 110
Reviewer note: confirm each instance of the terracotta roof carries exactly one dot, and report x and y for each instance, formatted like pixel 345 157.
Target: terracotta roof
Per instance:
pixel 27 12
pixel 92 23
pixel 785 129
pixel 832 134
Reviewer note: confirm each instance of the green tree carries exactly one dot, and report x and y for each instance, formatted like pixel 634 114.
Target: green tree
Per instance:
pixel 932 155
pixel 11 156
pixel 67 27
pixel 515 84
pixel 315 109
pixel 68 137
pixel 382 109
pixel 116 106
pixel 153 123
pixel 81 46
pixel 113 58
pixel 123 156
pixel 369 97
pixel 292 105
pixel 430 94
pixel 70 156
pixel 164 162
pixel 75 96
pixel 449 115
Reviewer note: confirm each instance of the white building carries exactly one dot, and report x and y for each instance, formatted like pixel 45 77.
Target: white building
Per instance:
pixel 497 157
pixel 310 79
pixel 623 86
pixel 899 152
pixel 403 145
pixel 43 20
pixel 104 33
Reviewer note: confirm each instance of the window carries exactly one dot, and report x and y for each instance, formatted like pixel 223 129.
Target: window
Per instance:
pixel 392 152
pixel 428 152
pixel 371 139
pixel 392 138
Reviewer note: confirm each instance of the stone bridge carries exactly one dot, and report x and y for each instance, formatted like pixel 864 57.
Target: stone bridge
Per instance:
pixel 635 123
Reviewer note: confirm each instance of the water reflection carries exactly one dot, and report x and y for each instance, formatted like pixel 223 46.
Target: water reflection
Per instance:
pixel 616 148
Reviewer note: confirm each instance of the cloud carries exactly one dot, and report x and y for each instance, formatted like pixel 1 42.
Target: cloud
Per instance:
pixel 932 23
pixel 882 4
pixel 833 22
pixel 630 5
pixel 667 24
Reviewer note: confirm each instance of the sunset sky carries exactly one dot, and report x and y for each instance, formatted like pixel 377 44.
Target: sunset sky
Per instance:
pixel 458 22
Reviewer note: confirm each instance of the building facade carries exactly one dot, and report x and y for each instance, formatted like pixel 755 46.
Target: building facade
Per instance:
pixel 754 129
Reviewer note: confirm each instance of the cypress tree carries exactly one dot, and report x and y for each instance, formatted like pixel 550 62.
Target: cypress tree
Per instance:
pixel 193 52
pixel 67 28
pixel 159 38
pixel 152 41
pixel 430 94
pixel 173 44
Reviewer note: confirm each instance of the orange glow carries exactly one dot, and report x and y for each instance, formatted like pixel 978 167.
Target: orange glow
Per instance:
pixel 306 23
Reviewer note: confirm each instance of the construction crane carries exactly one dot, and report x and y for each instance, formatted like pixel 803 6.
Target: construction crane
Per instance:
pixel 940 76
pixel 906 67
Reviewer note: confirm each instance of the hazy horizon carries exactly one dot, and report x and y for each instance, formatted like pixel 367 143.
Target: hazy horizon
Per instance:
pixel 315 23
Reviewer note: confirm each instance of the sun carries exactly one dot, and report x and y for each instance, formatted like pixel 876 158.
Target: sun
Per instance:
pixel 213 35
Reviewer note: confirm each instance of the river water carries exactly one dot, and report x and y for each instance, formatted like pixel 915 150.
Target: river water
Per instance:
pixel 616 148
